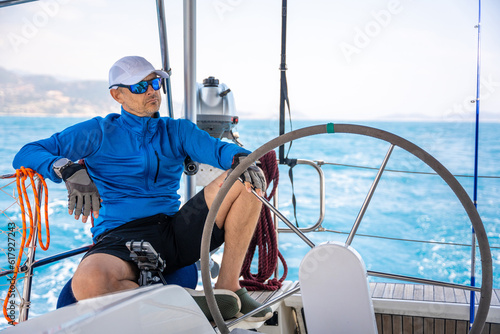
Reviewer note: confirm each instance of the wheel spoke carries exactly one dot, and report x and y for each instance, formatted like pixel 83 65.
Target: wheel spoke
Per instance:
pixel 284 219
pixel 368 197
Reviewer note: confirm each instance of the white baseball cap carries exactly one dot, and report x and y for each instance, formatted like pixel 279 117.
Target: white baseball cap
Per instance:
pixel 131 70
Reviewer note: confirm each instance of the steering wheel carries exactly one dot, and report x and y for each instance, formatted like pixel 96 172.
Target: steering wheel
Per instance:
pixel 451 181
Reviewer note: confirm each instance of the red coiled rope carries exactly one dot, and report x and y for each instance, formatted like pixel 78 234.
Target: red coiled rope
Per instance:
pixel 265 239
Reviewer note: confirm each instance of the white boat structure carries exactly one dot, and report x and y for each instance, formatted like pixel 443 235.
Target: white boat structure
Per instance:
pixel 332 295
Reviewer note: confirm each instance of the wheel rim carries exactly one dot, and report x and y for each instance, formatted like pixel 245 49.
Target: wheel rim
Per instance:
pixel 451 181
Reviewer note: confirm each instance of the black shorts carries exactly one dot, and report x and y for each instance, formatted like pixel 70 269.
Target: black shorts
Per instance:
pixel 176 238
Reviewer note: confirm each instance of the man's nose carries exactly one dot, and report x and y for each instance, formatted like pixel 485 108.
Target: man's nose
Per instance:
pixel 150 89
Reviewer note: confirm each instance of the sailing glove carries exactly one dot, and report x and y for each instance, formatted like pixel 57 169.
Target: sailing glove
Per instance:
pixel 254 175
pixel 83 195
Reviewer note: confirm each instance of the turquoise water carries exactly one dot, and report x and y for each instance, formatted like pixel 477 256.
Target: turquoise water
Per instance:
pixel 405 206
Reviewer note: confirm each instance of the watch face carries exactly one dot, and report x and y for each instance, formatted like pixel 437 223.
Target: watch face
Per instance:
pixel 61 163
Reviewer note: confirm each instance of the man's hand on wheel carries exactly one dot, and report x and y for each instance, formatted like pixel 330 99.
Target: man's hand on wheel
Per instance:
pixel 253 177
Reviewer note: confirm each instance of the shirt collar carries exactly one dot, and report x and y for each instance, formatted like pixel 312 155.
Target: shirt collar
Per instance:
pixel 144 126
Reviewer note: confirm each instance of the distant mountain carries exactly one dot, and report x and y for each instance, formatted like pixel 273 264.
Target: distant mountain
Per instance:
pixel 33 95
pixel 43 95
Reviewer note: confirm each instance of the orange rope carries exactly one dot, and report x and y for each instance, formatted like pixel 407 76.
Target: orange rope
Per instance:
pixel 21 175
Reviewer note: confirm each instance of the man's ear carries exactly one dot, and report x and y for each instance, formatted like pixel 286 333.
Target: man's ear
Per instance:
pixel 117 95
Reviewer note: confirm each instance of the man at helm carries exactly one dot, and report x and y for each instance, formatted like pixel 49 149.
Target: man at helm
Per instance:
pixel 133 165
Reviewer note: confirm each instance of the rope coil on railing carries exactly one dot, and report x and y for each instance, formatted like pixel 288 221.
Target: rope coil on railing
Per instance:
pixel 21 176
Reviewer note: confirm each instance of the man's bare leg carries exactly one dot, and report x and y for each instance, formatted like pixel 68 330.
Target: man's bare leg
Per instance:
pixel 99 274
pixel 238 215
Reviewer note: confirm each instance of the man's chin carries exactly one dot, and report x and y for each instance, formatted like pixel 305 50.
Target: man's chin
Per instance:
pixel 152 111
pixel 152 107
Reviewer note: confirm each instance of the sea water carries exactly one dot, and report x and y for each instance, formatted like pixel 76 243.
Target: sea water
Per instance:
pixel 413 226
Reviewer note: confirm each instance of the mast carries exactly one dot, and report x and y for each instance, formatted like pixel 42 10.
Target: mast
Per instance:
pixel 190 77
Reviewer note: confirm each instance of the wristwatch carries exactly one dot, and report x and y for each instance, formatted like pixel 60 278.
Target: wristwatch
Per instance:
pixel 60 165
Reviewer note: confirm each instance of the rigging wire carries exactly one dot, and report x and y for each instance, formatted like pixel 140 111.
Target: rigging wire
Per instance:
pixel 162 33
pixel 285 102
pixel 284 85
pixel 402 171
pixel 444 243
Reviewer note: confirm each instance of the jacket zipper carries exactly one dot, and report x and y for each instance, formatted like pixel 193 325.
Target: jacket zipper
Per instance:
pixel 157 166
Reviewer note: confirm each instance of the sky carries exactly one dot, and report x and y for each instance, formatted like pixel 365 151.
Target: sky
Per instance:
pixel 346 60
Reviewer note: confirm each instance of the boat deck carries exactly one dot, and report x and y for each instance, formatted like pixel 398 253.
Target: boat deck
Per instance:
pixel 414 308
pixel 427 299
pixel 421 292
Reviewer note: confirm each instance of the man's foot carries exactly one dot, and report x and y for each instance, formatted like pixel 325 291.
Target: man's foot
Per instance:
pixel 228 302
pixel 249 304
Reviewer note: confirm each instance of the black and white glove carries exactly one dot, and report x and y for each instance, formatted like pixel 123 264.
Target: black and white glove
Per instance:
pixel 83 195
pixel 254 175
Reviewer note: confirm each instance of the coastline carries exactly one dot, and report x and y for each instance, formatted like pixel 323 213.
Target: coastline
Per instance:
pixel 483 119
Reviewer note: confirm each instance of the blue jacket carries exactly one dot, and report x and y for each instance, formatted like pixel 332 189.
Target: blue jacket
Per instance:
pixel 135 162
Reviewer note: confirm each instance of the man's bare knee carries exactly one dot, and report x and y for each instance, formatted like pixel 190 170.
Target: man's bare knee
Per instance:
pixel 100 274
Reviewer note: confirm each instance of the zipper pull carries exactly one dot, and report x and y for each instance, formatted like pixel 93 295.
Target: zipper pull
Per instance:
pixel 157 166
